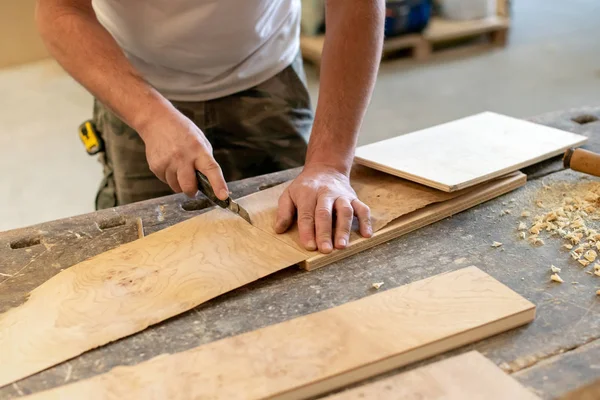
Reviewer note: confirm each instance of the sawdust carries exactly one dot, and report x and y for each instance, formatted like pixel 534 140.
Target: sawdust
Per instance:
pixel 569 211
pixel 496 244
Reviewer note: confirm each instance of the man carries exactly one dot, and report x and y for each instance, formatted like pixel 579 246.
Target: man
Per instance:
pixel 174 79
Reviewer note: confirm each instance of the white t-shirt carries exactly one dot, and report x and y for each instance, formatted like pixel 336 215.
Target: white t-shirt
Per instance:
pixel 195 50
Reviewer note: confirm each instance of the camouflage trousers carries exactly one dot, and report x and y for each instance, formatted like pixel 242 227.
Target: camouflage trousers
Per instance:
pixel 260 130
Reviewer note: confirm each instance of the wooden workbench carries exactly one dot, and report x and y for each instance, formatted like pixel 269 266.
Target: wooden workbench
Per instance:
pixel 555 354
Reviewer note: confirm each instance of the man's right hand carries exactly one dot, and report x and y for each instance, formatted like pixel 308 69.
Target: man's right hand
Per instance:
pixel 175 148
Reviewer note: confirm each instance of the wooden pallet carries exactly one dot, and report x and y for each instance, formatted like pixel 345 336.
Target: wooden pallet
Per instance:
pixel 439 31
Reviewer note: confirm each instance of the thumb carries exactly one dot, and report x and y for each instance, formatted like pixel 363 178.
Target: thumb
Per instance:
pixel 209 167
pixel 285 212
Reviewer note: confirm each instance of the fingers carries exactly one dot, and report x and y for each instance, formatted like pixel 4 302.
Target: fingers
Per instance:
pixel 209 167
pixel 343 225
pixel 323 223
pixel 285 212
pixel 187 181
pixel 171 177
pixel 306 222
pixel 363 213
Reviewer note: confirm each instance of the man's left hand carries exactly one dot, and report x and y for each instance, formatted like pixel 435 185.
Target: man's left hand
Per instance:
pixel 319 193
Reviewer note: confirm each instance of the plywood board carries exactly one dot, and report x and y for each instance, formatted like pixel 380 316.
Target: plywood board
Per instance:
pixel 467 151
pixel 420 218
pixel 467 376
pixel 122 291
pixel 320 352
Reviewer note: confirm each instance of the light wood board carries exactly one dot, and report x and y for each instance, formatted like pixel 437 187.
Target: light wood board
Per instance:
pixel 467 151
pixel 122 291
pixel 469 376
pixel 320 352
pixel 420 218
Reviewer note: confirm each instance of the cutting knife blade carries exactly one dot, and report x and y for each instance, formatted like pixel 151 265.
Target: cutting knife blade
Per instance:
pixel 205 187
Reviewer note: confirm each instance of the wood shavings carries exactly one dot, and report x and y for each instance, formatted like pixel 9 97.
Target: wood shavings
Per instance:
pixel 575 283
pixel 590 255
pixel 596 267
pixel 579 251
pixel 556 278
pixel 522 235
pixel 535 229
pixel 555 270
pixel 377 285
pixel 539 204
pixel 589 272
pixel 576 224
pixel 525 214
pixel 551 216
pixel 598 292
pixel 591 197
pixel 597 273
pixel 536 240
pixel 583 262
pixel 496 244
pixel 568 246
pixel 522 226
pixel 590 209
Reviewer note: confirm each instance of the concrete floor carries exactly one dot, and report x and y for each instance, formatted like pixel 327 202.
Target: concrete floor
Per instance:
pixel 551 63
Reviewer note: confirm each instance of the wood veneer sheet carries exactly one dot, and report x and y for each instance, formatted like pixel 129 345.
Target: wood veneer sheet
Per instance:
pixel 388 197
pixel 123 291
pixel 320 352
pixel 467 151
pixel 469 376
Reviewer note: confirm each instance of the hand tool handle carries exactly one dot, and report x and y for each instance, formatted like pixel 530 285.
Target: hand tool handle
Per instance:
pixel 583 161
pixel 205 187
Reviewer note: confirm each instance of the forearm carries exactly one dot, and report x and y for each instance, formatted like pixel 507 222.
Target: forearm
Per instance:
pixel 89 53
pixel 349 65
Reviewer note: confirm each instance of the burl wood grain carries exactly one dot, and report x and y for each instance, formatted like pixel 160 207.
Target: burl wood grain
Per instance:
pixel 122 291
pixel 469 376
pixel 319 352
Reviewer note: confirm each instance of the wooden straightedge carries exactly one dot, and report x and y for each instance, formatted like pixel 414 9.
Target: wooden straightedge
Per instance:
pixel 320 352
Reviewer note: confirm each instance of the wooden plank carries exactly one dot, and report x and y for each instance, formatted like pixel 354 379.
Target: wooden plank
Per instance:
pixel 323 351
pixel 466 376
pixel 123 291
pixel 468 151
pixel 418 219
pixel 441 30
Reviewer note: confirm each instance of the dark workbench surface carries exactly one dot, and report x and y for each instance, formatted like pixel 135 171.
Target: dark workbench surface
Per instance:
pixel 558 352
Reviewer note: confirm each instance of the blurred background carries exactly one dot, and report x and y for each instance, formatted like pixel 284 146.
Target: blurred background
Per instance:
pixel 443 60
